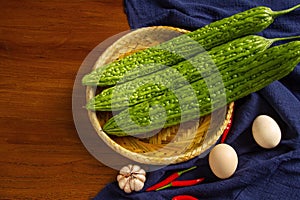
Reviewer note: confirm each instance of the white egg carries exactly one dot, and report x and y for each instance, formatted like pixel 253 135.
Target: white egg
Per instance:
pixel 223 160
pixel 266 132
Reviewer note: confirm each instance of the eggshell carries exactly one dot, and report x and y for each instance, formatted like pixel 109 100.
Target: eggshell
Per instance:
pixel 266 131
pixel 223 160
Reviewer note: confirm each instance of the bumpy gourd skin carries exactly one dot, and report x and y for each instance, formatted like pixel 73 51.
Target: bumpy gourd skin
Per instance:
pixel 144 88
pixel 185 46
pixel 238 81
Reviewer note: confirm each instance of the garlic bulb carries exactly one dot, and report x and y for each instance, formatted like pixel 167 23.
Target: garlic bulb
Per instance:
pixel 131 178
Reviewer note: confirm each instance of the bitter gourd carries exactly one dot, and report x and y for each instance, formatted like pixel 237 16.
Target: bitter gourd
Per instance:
pixel 239 80
pixel 185 46
pixel 144 88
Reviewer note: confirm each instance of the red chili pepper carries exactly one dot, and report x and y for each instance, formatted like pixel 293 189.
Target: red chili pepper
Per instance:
pixel 169 179
pixel 227 129
pixel 182 183
pixel 184 197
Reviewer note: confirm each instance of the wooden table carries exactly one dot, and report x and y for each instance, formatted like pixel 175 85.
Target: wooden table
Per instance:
pixel 42 46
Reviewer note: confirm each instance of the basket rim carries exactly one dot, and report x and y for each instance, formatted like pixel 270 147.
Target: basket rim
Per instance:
pixel 140 157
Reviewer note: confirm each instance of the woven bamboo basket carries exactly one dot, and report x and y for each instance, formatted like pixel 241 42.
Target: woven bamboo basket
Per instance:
pixel 170 145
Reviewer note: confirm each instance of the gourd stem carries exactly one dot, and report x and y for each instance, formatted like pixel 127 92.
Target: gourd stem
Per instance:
pixel 285 38
pixel 282 12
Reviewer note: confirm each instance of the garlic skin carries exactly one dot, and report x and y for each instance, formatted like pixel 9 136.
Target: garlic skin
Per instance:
pixel 131 178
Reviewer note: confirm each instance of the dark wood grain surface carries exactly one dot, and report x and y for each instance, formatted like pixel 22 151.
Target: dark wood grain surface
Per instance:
pixel 42 46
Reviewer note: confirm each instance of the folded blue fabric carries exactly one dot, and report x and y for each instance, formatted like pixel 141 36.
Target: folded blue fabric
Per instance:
pixel 261 173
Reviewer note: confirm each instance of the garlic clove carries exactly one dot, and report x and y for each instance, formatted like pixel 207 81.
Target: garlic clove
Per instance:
pixel 135 168
pixel 130 166
pixel 127 188
pixel 122 182
pixel 125 171
pixel 136 184
pixel 120 177
pixel 140 177
pixel 141 171
pixel 132 184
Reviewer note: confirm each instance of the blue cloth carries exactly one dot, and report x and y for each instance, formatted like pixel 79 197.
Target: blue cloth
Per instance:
pixel 261 173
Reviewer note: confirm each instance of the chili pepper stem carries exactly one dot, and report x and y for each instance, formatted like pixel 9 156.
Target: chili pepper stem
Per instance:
pixel 186 170
pixel 164 187
pixel 182 183
pixel 169 179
